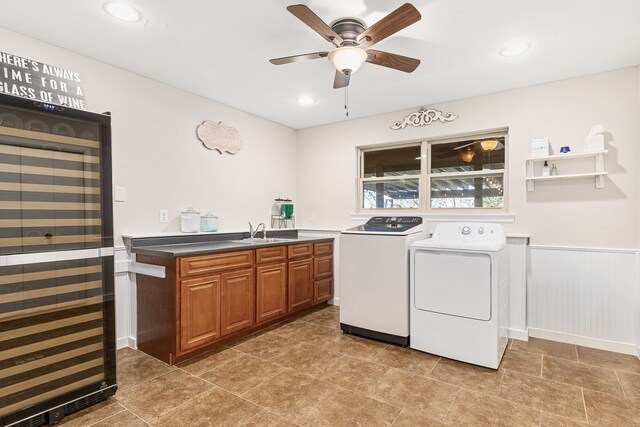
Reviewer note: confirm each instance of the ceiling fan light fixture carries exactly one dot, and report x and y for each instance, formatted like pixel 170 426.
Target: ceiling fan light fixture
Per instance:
pixel 489 144
pixel 467 155
pixel 347 59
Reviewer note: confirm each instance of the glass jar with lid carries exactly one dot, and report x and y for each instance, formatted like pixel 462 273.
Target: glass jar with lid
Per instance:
pixel 209 222
pixel 190 221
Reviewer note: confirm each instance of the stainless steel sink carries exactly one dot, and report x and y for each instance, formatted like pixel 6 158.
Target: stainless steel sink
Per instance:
pixel 259 241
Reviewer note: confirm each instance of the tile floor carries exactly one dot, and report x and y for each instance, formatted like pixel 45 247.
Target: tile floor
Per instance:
pixel 306 372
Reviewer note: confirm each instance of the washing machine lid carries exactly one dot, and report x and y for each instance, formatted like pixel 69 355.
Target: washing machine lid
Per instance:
pixel 388 225
pixel 469 236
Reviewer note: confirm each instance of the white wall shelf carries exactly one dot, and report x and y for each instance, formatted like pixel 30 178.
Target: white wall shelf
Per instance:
pixel 598 174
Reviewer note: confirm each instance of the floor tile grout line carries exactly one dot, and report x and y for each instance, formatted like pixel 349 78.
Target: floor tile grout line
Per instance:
pixel 146 380
pixel 189 400
pixel 624 393
pixel 113 415
pixel 446 414
pixel 224 362
pixel 584 405
pixel 108 416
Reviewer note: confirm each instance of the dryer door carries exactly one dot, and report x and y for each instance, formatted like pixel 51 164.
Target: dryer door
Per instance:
pixel 453 283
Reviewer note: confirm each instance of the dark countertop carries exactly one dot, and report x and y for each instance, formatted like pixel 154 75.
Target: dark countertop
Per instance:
pixel 202 248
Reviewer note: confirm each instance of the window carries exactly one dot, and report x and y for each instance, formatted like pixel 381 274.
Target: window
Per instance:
pixel 467 173
pixel 390 178
pixel 460 173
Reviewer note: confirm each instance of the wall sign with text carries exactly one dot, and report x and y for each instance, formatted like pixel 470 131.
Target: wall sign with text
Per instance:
pixel 35 80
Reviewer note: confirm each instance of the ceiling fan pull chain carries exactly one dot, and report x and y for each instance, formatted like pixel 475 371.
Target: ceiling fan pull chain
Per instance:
pixel 346 99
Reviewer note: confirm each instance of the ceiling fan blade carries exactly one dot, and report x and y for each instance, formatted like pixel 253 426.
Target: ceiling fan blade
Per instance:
pixel 400 18
pixel 466 145
pixel 499 146
pixel 341 80
pixel 307 16
pixel 298 58
pixel 392 60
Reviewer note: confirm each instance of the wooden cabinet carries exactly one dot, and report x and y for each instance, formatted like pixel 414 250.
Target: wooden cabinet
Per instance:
pixel 322 267
pixel 206 264
pixel 206 300
pixel 322 290
pixel 199 311
pixel 304 250
pixel 237 300
pixel 300 284
pixel 271 291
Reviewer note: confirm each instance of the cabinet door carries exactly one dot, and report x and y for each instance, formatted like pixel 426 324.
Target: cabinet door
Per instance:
pixel 323 267
pixel 199 311
pixel 323 290
pixel 237 300
pixel 300 284
pixel 271 291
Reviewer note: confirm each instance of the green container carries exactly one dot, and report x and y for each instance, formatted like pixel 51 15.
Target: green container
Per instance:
pixel 287 210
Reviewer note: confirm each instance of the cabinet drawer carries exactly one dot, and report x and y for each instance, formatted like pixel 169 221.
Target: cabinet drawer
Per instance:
pixel 193 266
pixel 324 248
pixel 322 267
pixel 275 254
pixel 300 251
pixel 322 290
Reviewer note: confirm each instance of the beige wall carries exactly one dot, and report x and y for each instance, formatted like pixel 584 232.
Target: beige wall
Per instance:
pixel 565 213
pixel 157 157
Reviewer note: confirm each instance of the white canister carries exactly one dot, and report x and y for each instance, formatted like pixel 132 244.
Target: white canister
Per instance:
pixel 209 222
pixel 190 221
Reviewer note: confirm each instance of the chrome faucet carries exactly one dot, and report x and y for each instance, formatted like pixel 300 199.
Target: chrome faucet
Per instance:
pixel 252 232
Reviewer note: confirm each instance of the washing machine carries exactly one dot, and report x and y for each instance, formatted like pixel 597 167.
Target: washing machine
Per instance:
pixel 459 290
pixel 374 277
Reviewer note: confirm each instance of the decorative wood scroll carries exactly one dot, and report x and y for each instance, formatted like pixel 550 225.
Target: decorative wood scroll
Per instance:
pixel 423 117
pixel 216 136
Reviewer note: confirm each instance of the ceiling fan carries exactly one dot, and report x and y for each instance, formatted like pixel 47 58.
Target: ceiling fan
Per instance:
pixel 352 40
pixel 488 144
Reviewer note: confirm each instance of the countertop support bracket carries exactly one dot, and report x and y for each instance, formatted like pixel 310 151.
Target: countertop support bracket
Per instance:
pixel 146 269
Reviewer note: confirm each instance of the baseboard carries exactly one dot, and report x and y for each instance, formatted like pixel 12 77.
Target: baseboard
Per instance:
pixel 126 342
pixel 334 301
pixel 615 346
pixel 519 334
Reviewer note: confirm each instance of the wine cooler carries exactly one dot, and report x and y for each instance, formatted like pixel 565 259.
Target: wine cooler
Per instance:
pixel 57 324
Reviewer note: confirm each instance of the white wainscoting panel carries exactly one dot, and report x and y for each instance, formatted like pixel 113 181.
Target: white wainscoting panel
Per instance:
pixel 517 247
pixel 584 296
pixel 125 305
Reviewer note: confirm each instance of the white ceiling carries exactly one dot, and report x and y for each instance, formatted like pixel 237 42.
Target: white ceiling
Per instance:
pixel 220 49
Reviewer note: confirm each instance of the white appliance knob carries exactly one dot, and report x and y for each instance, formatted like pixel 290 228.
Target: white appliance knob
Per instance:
pixel 466 230
pixel 480 230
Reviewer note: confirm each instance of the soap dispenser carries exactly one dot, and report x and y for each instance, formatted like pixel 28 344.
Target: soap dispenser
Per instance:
pixel 545 169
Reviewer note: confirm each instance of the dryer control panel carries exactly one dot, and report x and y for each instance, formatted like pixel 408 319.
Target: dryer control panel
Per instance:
pixel 469 235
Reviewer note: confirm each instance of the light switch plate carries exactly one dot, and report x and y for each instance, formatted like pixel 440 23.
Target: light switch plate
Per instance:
pixel 119 194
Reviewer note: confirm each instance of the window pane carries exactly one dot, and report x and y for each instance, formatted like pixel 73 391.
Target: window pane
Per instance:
pixel 392 162
pixel 468 192
pixel 469 155
pixel 400 193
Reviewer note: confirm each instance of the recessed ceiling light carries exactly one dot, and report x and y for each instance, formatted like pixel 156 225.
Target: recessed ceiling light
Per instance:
pixel 305 100
pixel 514 49
pixel 122 11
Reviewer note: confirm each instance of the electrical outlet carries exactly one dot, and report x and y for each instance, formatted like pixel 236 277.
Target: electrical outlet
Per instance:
pixel 164 216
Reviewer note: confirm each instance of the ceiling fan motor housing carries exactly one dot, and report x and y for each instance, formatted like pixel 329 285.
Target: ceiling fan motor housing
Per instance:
pixel 348 29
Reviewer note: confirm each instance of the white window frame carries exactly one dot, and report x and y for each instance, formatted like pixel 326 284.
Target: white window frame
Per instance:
pixel 361 180
pixel 424 179
pixel 498 133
